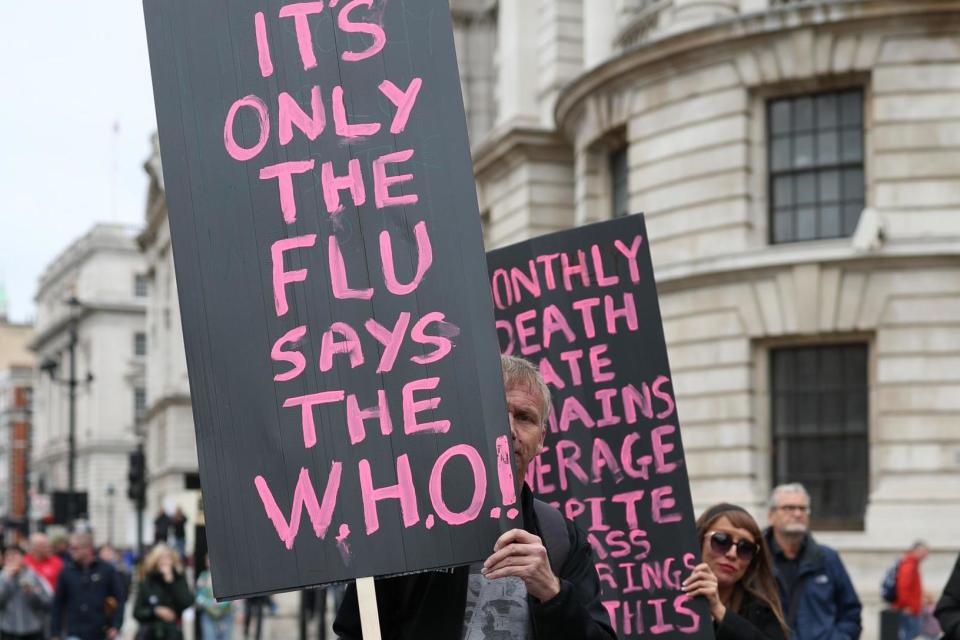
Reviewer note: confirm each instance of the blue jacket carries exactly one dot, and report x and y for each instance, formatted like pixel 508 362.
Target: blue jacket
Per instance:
pixel 81 597
pixel 824 604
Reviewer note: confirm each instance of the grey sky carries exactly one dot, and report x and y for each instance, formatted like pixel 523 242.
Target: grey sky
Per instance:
pixel 70 71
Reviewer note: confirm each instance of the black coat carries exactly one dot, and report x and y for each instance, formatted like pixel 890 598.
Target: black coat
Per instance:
pixel 153 592
pixel 80 601
pixel 948 608
pixel 754 622
pixel 431 604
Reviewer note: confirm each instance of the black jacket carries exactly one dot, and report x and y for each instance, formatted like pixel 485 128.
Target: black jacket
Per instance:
pixel 153 592
pixel 432 604
pixel 948 608
pixel 81 597
pixel 754 622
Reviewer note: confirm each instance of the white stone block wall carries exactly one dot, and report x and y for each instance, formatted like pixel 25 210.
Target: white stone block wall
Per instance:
pixel 691 108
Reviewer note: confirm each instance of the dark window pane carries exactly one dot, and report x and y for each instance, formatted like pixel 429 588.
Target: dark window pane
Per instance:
pixel 783 192
pixel 803 114
pixel 826 111
pixel 806 186
pixel 827 142
pixel 829 184
pixel 783 225
pixel 783 413
pixel 806 223
pixel 783 370
pixel 851 108
pixel 855 365
pixel 619 177
pixel 816 165
pixel 806 369
pixel 830 221
pixel 140 286
pixel 803 151
pixel 832 411
pixel 851 216
pixel 806 413
pixel 851 145
pixel 830 369
pixel 822 441
pixel 853 184
pixel 780 154
pixel 780 116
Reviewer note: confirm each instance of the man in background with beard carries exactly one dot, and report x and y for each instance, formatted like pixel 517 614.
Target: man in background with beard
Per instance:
pixel 818 599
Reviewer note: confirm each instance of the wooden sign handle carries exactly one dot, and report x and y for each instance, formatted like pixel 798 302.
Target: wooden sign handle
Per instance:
pixel 369 617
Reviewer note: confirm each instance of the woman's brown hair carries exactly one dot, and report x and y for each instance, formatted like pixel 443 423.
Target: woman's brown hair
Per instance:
pixel 758 581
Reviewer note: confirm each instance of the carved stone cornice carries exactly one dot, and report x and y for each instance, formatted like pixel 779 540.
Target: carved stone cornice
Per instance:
pixel 510 143
pixel 668 53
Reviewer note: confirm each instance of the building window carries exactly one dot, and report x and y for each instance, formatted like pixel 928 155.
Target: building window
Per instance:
pixel 819 418
pixel 140 285
pixel 140 344
pixel 619 193
pixel 139 404
pixel 816 165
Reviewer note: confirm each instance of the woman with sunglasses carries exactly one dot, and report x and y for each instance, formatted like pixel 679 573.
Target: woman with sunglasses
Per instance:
pixel 736 577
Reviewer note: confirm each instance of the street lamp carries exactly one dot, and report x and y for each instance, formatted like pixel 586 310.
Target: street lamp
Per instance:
pixel 110 493
pixel 49 366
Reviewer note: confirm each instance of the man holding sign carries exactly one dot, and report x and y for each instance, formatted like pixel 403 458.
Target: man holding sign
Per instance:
pixel 540 580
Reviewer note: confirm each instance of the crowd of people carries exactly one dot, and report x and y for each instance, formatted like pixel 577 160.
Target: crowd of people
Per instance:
pixel 770 584
pixel 69 589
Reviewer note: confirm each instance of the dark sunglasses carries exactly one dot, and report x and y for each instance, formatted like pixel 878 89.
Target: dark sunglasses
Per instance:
pixel 721 542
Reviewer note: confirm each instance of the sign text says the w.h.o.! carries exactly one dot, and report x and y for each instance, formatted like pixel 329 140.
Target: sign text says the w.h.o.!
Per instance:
pixel 327 243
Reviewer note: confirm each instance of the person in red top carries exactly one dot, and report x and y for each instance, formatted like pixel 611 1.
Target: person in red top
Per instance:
pixel 41 559
pixel 910 590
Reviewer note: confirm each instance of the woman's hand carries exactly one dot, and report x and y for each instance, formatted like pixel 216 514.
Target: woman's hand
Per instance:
pixel 702 582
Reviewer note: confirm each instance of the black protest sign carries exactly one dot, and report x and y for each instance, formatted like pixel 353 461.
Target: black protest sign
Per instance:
pixel 344 369
pixel 583 305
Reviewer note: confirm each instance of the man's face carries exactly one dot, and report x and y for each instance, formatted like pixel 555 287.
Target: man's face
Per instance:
pixel 13 559
pixel 39 547
pixel 526 425
pixel 81 552
pixel 791 516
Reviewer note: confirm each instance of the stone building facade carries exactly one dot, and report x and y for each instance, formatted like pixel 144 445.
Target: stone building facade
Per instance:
pixel 169 438
pixel 104 272
pixel 799 166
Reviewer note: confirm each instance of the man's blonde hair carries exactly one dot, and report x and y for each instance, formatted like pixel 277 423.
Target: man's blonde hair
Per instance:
pixel 518 372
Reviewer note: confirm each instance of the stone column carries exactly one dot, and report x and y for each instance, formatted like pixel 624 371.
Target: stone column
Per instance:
pixel 517 56
pixel 753 6
pixel 599 29
pixel 691 14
